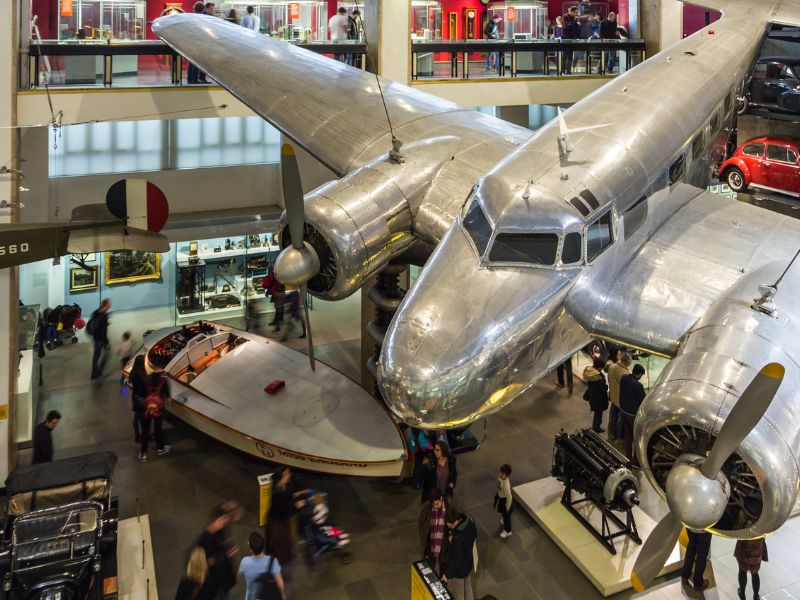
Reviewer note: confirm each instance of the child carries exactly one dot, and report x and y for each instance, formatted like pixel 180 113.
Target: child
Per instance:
pixel 502 499
pixel 125 351
pixel 320 519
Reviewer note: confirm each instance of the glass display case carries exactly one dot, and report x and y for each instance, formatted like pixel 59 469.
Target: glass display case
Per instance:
pixel 222 277
pixel 102 19
pixel 426 19
pixel 297 21
pixel 523 20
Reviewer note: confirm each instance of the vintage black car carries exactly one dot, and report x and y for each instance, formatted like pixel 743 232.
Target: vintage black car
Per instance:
pixel 59 535
pixel 774 85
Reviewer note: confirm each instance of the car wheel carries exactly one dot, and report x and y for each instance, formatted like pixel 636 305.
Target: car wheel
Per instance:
pixel 743 105
pixel 735 179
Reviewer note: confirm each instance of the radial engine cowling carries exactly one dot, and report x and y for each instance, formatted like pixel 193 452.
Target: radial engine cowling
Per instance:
pixel 683 414
pixel 356 225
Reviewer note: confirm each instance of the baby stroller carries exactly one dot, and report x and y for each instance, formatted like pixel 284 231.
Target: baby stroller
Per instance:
pixel 62 324
pixel 321 536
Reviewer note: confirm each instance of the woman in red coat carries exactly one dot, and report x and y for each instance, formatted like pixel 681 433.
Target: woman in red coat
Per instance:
pixel 749 554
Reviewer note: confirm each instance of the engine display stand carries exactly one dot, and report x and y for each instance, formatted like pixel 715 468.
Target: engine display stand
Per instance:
pixel 609 573
pixel 605 536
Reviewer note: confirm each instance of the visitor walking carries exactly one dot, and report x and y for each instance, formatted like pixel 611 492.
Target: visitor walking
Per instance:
pixel 97 327
pixel 503 499
pixel 138 380
pixel 631 396
pixel 261 572
pixel 440 471
pixel 153 416
pixel 433 530
pixel 43 438
pixel 195 575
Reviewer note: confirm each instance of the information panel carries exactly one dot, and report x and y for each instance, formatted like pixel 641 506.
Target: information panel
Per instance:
pixel 425 583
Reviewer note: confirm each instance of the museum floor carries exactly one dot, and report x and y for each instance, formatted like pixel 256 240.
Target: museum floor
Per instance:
pixel 177 491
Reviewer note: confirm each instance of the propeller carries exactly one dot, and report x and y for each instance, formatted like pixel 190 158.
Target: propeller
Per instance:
pixel 697 490
pixel 297 263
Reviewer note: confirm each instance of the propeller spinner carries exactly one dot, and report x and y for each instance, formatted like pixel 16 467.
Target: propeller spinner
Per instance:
pixel 697 490
pixel 299 262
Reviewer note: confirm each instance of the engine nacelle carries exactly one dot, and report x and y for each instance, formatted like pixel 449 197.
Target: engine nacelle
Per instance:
pixel 685 410
pixel 359 223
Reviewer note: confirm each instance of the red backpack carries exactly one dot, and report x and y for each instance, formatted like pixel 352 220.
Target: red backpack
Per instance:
pixel 154 402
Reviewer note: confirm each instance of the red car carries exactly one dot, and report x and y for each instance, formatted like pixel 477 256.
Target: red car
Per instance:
pixel 769 163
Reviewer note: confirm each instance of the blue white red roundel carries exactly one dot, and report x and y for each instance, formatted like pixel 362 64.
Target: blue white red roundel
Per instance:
pixel 141 203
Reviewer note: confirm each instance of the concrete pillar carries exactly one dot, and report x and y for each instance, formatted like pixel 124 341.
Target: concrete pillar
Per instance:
pixel 9 191
pixel 661 23
pixel 33 151
pixel 395 40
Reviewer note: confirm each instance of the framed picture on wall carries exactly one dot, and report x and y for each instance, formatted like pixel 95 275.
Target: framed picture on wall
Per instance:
pixel 81 280
pixel 131 266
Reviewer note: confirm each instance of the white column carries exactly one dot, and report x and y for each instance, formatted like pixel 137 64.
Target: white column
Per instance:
pixel 671 22
pixel 395 40
pixel 9 313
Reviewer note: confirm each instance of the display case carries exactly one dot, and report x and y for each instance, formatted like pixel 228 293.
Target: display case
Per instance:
pixel 426 19
pixel 102 19
pixel 220 277
pixel 523 20
pixel 283 19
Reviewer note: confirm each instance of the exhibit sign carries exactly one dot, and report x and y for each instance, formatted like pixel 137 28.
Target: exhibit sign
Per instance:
pixel 511 14
pixel 131 266
pixel 264 498
pixel 294 10
pixel 425 583
pixel 66 8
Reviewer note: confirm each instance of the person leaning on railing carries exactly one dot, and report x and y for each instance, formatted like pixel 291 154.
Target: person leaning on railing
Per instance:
pixel 608 31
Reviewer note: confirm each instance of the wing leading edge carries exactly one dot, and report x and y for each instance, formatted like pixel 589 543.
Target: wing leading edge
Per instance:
pixel 688 263
pixel 330 109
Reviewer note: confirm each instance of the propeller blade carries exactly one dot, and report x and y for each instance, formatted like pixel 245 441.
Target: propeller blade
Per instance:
pixel 744 417
pixel 292 194
pixel 655 552
pixel 304 299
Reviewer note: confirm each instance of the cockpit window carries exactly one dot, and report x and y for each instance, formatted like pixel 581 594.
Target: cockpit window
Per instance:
pixel 598 237
pixel 572 248
pixel 478 227
pixel 533 248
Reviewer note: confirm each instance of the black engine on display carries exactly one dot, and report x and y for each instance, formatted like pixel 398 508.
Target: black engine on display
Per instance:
pixel 592 468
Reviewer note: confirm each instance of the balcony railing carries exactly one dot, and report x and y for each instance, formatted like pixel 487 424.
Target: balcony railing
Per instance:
pixel 471 59
pixel 145 63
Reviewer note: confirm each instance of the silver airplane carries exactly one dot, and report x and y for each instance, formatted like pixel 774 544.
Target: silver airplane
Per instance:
pixel 539 242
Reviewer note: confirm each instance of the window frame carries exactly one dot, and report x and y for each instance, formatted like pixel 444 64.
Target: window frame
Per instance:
pixel 641 201
pixel 556 256
pixel 784 160
pixel 472 197
pixel 763 149
pixel 582 258
pixel 608 211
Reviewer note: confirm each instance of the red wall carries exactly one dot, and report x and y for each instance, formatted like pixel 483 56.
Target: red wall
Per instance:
pixel 694 18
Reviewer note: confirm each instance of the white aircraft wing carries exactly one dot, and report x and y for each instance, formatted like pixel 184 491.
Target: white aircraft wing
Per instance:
pixel 786 12
pixel 330 109
pixel 660 291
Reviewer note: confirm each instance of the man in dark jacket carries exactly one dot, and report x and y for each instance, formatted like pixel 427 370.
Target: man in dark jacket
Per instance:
pixel 631 395
pixel 43 438
pixel 458 569
pixel 608 31
pixel 99 333
pixel 572 31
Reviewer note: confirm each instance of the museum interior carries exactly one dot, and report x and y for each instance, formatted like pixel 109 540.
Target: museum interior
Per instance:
pixel 500 284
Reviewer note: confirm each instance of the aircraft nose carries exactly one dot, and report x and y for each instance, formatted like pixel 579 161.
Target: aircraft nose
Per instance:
pixel 465 339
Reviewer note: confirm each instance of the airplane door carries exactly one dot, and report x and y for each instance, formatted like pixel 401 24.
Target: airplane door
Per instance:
pixel 778 171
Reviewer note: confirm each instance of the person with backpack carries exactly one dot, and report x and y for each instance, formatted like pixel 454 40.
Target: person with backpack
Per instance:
pixel 596 393
pixel 97 327
pixel 261 572
pixel 154 415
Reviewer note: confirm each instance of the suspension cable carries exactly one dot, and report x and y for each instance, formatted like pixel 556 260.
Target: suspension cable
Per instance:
pixel 394 153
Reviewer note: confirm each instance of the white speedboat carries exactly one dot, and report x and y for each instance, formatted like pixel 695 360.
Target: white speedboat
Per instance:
pixel 320 421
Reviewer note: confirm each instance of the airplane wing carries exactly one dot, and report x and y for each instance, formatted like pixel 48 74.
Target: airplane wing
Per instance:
pixel 786 12
pixel 687 264
pixel 26 243
pixel 330 109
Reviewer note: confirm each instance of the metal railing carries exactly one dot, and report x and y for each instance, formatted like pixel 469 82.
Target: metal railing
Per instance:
pixel 516 58
pixel 142 63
